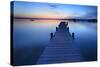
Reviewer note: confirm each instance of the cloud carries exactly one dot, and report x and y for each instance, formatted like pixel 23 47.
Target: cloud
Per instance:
pixel 90 15
pixel 53 6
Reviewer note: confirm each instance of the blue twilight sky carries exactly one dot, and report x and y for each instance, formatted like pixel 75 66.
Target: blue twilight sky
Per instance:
pixel 53 10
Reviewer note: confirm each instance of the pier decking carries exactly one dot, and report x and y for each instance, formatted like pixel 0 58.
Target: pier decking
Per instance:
pixel 62 47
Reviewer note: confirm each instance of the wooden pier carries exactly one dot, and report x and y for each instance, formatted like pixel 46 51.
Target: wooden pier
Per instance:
pixel 62 47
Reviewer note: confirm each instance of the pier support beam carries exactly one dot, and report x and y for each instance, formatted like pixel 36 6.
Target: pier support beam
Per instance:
pixel 51 35
pixel 73 35
pixel 56 28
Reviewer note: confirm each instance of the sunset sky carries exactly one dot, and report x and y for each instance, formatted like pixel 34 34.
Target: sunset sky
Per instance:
pixel 53 10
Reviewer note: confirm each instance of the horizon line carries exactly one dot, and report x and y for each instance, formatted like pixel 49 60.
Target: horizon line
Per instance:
pixel 52 18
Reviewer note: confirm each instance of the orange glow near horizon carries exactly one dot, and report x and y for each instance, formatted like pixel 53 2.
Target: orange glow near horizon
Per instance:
pixel 47 15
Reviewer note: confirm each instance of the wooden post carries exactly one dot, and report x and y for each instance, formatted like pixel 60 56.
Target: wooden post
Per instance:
pixel 73 35
pixel 51 34
pixel 56 28
pixel 68 28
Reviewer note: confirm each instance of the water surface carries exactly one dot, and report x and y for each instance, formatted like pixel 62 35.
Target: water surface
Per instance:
pixel 31 37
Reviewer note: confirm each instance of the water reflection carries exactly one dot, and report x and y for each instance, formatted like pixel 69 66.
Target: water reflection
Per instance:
pixel 31 37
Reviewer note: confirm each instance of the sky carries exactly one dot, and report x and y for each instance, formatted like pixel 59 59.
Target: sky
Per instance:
pixel 53 10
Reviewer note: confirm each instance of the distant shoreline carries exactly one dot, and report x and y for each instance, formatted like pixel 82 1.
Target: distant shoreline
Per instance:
pixel 72 19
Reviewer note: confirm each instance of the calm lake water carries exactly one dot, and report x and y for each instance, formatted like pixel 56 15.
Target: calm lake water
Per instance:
pixel 31 37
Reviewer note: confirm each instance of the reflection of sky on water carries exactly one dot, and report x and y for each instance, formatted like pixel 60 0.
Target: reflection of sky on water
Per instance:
pixel 29 33
pixel 33 32
pixel 85 37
